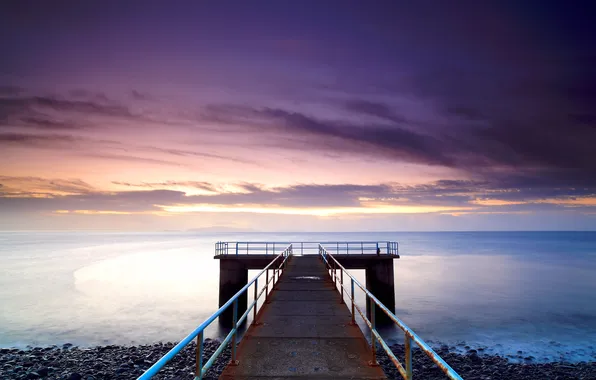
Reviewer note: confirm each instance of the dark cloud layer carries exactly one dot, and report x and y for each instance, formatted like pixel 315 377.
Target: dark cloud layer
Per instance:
pixel 455 194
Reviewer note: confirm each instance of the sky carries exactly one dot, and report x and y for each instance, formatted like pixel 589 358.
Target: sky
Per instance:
pixel 298 115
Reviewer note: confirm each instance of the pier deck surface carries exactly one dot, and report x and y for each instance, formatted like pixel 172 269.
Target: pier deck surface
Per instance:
pixel 304 332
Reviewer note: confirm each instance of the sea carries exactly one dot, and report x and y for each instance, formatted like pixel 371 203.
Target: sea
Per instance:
pixel 516 294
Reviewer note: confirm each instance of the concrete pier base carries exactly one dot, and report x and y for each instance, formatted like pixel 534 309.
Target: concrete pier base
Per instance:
pixel 233 275
pixel 380 281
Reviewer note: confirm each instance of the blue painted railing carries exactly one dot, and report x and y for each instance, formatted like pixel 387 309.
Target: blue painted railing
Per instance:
pixel 200 368
pixel 307 247
pixel 333 265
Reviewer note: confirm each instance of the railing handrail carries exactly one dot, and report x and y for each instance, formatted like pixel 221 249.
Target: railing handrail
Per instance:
pixel 385 247
pixel 406 373
pixel 151 371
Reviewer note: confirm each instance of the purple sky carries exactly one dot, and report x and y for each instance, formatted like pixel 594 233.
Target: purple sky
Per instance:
pixel 284 115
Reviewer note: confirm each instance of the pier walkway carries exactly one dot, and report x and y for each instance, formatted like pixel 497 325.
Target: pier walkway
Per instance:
pixel 304 332
pixel 303 329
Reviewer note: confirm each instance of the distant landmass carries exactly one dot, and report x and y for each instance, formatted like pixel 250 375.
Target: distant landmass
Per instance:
pixel 221 229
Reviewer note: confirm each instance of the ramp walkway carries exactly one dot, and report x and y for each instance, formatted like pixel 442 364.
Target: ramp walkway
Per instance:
pixel 304 332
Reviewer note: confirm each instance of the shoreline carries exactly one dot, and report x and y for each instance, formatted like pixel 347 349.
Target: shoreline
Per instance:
pixel 128 362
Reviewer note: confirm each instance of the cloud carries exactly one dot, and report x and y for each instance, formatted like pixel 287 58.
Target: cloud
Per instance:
pixel 89 95
pixel 380 110
pixel 37 186
pixel 157 185
pixel 42 140
pixel 393 142
pixel 311 199
pixel 137 95
pixel 51 124
pixel 483 132
pixel 8 90
pixel 57 112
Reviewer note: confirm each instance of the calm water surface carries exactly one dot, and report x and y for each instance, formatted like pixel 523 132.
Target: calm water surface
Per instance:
pixel 528 291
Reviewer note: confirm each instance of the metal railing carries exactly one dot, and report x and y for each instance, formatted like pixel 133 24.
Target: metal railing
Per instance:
pixel 333 265
pixel 200 368
pixel 307 247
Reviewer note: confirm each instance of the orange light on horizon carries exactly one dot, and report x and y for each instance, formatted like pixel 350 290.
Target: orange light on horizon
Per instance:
pixel 259 209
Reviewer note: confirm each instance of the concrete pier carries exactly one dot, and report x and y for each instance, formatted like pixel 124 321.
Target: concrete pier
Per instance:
pixel 233 275
pixel 380 282
pixel 304 333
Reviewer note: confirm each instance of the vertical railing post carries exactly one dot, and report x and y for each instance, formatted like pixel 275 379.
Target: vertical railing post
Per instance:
pixel 377 248
pixel 266 284
pixel 301 248
pixel 388 243
pixel 362 247
pixel 353 316
pixel 408 349
pixel 199 359
pixel 334 273
pixel 373 340
pixel 236 248
pixel 235 336
pixel 267 248
pixel 341 273
pixel 254 311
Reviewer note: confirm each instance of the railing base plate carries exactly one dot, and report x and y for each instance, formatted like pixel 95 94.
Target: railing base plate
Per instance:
pixel 372 363
pixel 234 362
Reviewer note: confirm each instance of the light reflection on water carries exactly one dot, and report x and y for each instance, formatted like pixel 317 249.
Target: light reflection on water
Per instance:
pixel 506 292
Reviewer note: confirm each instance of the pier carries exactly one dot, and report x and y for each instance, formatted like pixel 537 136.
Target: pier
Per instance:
pixel 376 258
pixel 306 324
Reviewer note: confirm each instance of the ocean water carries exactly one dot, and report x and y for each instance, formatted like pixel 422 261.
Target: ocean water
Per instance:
pixel 533 292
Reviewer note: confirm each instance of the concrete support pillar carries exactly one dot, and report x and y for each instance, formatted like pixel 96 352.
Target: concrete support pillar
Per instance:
pixel 233 275
pixel 380 282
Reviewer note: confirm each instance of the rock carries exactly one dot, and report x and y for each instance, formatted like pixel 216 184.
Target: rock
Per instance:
pixel 474 358
pixel 43 371
pixel 33 375
pixel 75 376
pixel 66 346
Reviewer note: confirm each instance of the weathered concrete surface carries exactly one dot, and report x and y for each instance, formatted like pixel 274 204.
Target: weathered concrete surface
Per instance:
pixel 304 332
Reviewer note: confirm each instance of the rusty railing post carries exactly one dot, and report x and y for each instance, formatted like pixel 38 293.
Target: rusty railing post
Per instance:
pixel 199 358
pixel 235 336
pixel 373 339
pixel 408 349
